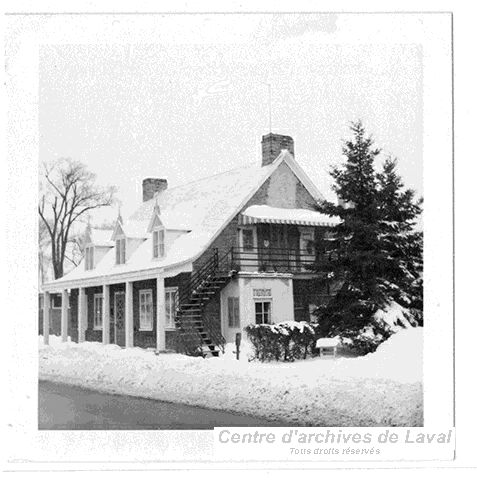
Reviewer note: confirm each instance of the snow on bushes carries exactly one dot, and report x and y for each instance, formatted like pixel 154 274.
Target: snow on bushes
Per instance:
pixel 394 317
pixel 385 322
pixel 285 341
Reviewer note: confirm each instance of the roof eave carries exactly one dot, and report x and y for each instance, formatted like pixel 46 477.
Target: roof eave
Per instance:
pixel 140 274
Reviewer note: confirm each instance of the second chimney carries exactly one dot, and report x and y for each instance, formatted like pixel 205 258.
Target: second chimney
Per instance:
pixel 151 186
pixel 273 144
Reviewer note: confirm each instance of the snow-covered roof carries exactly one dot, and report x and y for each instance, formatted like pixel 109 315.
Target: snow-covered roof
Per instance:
pixel 135 229
pixel 296 216
pixel 200 209
pixel 100 237
pixel 327 342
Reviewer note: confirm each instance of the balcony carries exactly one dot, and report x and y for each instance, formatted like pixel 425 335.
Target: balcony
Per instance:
pixel 278 260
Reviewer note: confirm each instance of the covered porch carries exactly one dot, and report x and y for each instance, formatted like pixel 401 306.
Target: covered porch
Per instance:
pixel 282 240
pixel 131 313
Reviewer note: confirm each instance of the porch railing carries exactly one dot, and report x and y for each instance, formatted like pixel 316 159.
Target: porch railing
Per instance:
pixel 283 260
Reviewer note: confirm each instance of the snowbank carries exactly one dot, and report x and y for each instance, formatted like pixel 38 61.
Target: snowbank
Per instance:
pixel 383 388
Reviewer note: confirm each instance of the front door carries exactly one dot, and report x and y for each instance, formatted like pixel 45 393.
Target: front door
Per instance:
pixel 263 235
pixel 119 314
pixel 293 246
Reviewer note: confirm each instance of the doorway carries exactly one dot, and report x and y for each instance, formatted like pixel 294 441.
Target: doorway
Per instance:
pixel 119 318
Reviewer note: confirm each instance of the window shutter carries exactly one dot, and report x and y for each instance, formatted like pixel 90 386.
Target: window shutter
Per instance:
pixel 168 309
pixel 230 306
pixel 155 244
pixel 236 312
pixel 161 243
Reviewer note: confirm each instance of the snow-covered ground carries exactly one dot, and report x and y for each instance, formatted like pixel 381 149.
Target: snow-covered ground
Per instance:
pixel 383 388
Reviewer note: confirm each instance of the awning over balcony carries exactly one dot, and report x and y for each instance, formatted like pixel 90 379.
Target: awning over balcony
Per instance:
pixel 293 216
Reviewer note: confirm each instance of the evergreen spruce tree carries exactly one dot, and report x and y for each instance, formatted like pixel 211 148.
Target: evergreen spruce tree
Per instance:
pixel 356 253
pixel 376 254
pixel 401 241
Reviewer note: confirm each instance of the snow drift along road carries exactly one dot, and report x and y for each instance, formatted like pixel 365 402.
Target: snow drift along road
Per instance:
pixel 383 388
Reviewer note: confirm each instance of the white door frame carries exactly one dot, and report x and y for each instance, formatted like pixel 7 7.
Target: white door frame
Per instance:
pixel 116 294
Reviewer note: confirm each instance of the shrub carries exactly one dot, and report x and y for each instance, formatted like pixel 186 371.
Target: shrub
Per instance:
pixel 369 339
pixel 285 341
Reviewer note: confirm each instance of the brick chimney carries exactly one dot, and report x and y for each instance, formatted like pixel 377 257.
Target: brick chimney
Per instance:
pixel 151 186
pixel 273 144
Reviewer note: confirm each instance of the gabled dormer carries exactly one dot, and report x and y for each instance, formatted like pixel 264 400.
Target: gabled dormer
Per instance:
pixel 119 239
pixel 96 244
pixel 127 237
pixel 156 228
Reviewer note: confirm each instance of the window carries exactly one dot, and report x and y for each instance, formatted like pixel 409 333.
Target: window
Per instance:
pixel 89 258
pixel 42 301
pixel 247 239
pixel 233 312
pixel 56 301
pixel 146 310
pixel 98 311
pixel 171 306
pixel 263 312
pixel 158 243
pixel 120 251
pixel 155 244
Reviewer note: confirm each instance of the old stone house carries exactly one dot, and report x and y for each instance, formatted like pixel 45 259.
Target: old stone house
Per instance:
pixel 196 263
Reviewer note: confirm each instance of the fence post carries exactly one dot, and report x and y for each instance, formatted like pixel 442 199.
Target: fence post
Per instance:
pixel 238 339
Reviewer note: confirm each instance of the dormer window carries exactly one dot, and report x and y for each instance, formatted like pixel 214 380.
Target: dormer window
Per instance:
pixel 89 258
pixel 120 251
pixel 158 243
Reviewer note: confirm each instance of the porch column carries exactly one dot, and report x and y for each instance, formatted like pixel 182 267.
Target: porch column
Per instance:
pixel 160 314
pixel 46 318
pixel 64 315
pixel 106 336
pixel 82 315
pixel 129 321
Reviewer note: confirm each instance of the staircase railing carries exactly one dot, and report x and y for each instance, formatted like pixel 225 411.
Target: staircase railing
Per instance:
pixel 198 277
pixel 214 333
pixel 190 341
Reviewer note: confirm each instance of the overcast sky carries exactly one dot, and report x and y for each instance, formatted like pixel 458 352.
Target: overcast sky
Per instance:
pixel 183 96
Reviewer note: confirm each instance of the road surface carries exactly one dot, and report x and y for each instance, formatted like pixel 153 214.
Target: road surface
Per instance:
pixel 65 407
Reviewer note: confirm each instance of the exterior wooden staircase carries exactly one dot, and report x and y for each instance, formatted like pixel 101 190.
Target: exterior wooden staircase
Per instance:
pixel 197 334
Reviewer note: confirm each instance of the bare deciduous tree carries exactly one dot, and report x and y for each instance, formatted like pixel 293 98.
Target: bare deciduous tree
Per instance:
pixel 67 192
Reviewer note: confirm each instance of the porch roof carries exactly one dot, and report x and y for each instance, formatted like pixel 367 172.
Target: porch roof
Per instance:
pixel 293 216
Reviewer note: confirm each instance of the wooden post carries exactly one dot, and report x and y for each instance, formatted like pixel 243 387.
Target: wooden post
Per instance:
pixel 64 315
pixel 238 339
pixel 46 318
pixel 106 320
pixel 129 320
pixel 82 315
pixel 160 315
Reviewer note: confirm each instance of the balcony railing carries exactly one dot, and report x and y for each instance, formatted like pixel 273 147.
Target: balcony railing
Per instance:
pixel 283 260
